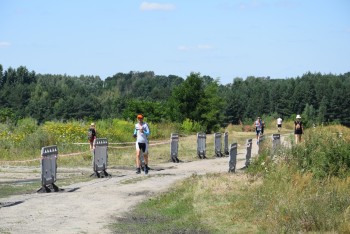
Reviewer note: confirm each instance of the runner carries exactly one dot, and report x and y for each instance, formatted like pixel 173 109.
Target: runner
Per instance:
pixel 258 128
pixel 279 124
pixel 141 133
pixel 298 129
pixel 92 135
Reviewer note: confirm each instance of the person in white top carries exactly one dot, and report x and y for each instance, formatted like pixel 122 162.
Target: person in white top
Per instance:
pixel 141 133
pixel 279 124
pixel 258 128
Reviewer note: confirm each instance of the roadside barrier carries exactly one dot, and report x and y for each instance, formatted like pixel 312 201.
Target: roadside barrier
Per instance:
pixel 100 158
pixel 233 158
pixel 217 144
pixel 276 143
pixel 226 144
pixel 48 169
pixel 201 145
pixel 174 147
pixel 249 152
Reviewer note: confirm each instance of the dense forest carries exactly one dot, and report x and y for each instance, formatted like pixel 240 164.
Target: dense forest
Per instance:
pixel 320 98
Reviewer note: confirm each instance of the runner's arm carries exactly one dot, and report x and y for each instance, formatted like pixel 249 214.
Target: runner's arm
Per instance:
pixel 146 130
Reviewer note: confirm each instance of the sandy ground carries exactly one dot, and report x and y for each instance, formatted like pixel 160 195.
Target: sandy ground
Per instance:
pixel 89 207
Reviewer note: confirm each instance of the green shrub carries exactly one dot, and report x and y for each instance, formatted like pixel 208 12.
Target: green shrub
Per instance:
pixel 190 126
pixel 69 132
pixel 323 152
pixel 305 188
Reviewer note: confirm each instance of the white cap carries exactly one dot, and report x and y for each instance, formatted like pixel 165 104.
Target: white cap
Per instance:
pixel 298 117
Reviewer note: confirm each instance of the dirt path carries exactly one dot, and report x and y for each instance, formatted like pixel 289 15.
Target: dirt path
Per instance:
pixel 90 206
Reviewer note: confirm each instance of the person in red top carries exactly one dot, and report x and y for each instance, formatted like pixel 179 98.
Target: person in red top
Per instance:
pixel 298 129
pixel 92 135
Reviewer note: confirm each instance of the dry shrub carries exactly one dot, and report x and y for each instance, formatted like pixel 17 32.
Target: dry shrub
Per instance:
pixel 234 128
pixel 301 181
pixel 247 128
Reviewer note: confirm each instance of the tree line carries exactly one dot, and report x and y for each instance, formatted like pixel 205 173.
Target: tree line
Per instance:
pixel 320 98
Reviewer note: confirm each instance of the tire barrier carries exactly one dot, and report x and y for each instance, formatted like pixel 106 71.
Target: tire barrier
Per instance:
pixel 174 147
pixel 276 140
pixel 226 144
pixel 233 158
pixel 48 169
pixel 100 157
pixel 249 152
pixel 217 144
pixel 201 145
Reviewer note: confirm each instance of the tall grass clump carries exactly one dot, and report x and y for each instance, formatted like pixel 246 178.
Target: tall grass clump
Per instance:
pixel 325 152
pixel 15 139
pixel 289 202
pixel 305 188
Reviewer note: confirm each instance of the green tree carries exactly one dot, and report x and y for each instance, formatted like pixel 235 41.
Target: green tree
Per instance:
pixel 321 112
pixel 153 111
pixel 309 115
pixel 197 99
pixel 186 98
pixel 235 96
pixel 210 107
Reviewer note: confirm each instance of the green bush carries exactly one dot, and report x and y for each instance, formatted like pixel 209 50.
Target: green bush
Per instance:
pixel 323 152
pixel 190 126
pixel 304 188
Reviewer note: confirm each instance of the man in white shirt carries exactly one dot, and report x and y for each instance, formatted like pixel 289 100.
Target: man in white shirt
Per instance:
pixel 279 124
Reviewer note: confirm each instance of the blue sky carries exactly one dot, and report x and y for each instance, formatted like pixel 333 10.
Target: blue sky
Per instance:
pixel 223 39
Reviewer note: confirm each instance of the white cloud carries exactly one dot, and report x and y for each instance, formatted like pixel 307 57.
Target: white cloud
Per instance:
pixel 183 48
pixel 204 47
pixel 153 6
pixel 4 44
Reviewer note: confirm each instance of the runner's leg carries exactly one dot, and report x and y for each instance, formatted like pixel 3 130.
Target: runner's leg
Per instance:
pixel 138 162
pixel 145 154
